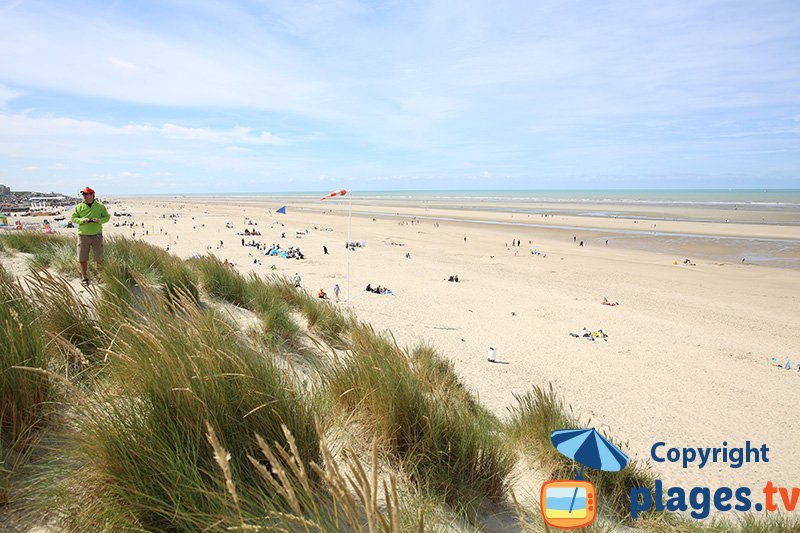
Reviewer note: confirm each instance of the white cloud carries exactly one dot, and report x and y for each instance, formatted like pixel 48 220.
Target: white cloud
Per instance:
pixel 121 65
pixel 7 94
pixel 755 133
pixel 235 134
pixel 239 149
pixel 20 127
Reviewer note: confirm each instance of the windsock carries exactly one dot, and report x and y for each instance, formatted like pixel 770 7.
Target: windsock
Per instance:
pixel 340 192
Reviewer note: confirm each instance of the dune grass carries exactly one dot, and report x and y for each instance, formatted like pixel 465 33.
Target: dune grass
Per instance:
pixel 326 320
pixel 344 495
pixel 5 275
pixel 34 241
pixel 193 426
pixel 446 448
pixel 322 317
pixel 60 254
pixel 21 345
pixel 221 281
pixel 157 266
pixel 272 300
pixel 48 251
pixel 142 437
pixel 252 293
pixel 122 257
pixel 277 324
pixel 23 393
pixel 439 376
pixel 66 317
pixel 539 413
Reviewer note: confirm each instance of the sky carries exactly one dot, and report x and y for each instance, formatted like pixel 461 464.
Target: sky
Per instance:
pixel 206 96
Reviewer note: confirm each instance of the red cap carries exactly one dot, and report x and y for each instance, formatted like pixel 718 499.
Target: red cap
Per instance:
pixel 88 190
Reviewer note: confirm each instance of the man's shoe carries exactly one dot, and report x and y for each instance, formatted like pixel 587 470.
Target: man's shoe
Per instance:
pixel 85 282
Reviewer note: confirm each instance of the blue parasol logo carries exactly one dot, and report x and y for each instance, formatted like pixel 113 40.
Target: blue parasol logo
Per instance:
pixel 570 504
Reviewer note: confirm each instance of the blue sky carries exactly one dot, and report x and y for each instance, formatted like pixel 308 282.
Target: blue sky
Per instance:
pixel 166 96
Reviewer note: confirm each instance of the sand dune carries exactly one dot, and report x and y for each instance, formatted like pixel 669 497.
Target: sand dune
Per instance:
pixel 686 360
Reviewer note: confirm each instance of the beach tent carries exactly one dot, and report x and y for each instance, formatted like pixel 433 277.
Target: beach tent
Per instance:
pixel 281 210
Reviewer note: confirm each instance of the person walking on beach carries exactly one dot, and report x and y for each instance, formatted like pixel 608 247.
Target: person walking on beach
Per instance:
pixel 296 280
pixel 89 216
pixel 336 291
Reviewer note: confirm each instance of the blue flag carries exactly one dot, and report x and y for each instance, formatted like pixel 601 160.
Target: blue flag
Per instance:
pixel 282 210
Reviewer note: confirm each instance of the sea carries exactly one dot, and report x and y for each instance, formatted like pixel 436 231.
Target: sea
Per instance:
pixel 704 197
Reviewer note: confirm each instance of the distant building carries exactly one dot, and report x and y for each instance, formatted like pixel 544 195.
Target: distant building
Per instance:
pixel 4 191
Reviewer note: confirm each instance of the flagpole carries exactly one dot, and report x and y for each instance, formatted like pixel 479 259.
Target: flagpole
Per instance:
pixel 349 229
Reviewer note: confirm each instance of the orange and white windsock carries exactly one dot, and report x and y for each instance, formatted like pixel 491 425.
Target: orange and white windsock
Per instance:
pixel 340 192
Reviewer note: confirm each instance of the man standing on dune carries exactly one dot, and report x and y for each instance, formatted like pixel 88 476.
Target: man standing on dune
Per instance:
pixel 89 216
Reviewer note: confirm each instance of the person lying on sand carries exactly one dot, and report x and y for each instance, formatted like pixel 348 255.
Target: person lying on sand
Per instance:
pixel 584 334
pixel 588 335
pixel 606 302
pixel 378 289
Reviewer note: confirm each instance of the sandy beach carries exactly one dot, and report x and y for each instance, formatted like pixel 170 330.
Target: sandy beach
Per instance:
pixel 687 356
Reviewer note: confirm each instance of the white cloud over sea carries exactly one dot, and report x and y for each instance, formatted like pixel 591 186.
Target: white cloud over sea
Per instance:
pixel 263 95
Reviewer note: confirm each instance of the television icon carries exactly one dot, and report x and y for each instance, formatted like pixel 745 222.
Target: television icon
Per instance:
pixel 568 504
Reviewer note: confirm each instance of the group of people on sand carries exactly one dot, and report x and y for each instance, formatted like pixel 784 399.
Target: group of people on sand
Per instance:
pixel 590 335
pixel 322 295
pixel 291 253
pixel 254 244
pixel 378 289
pixel 453 278
pixel 247 232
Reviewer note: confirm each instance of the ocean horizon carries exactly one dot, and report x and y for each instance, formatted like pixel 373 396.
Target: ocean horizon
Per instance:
pixel 713 197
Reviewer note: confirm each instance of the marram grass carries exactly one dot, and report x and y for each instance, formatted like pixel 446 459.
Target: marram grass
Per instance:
pixel 33 241
pixel 447 449
pixel 254 294
pixel 142 437
pixel 24 391
pixel 193 427
pixel 66 317
pixel 158 267
pixel 22 344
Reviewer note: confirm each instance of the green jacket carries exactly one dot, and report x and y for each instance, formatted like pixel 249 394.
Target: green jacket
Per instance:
pixel 84 210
